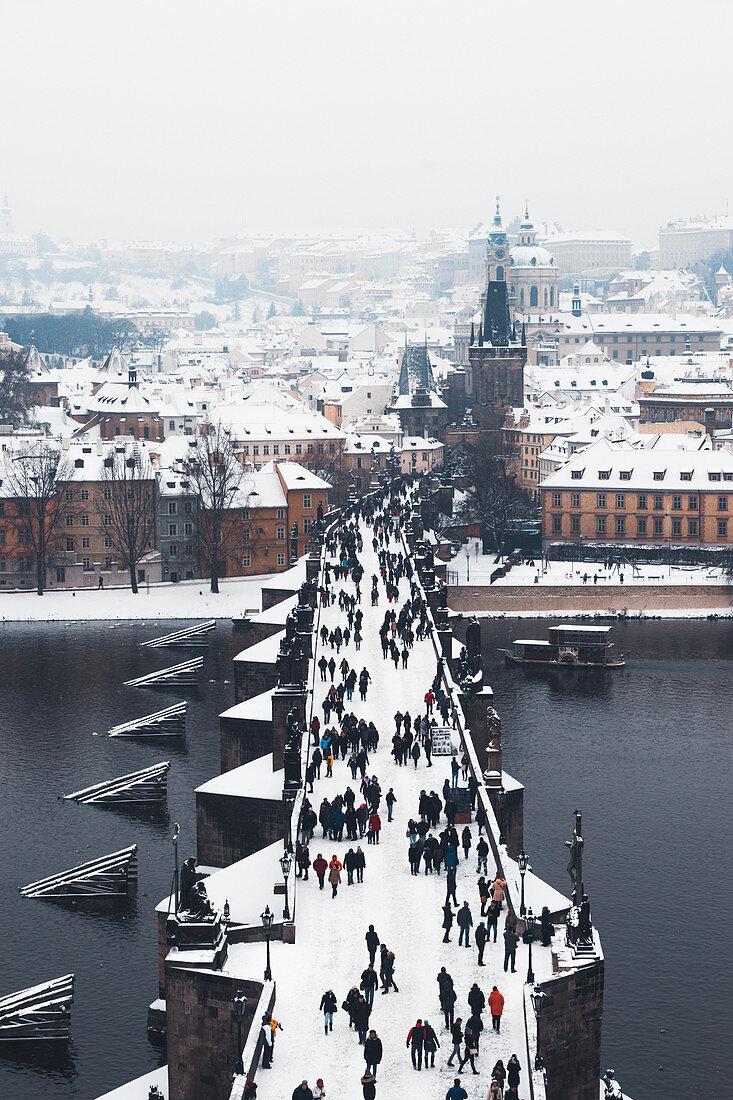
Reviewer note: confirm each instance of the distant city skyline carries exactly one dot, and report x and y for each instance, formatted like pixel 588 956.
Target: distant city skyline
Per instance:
pixel 140 121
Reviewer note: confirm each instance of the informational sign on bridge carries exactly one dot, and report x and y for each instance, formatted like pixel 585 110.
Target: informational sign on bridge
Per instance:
pixel 442 742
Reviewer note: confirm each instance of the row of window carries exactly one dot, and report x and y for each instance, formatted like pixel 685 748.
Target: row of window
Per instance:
pixel 642 526
pixel 641 501
pixel 287 448
pixel 247 560
pixel 173 550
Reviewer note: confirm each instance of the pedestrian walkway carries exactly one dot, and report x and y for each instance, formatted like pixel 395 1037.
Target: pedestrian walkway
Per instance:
pixel 406 911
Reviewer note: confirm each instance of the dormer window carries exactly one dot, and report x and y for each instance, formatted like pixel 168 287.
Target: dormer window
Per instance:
pixel 604 475
pixel 713 476
pixel 686 476
pixel 625 475
pixel 576 475
pixel 659 475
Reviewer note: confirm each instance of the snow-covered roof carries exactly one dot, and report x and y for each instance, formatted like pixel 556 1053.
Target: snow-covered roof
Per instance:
pixel 603 324
pixel 623 467
pixel 296 477
pixel 531 256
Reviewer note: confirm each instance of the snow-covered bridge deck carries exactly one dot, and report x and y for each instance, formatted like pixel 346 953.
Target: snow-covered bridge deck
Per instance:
pixel 406 911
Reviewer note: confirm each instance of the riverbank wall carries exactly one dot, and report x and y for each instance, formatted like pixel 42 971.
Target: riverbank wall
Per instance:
pixel 684 600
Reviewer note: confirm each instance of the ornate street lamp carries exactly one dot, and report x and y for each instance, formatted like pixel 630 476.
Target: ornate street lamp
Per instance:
pixel 267 919
pixel 239 1005
pixel 528 940
pixel 538 1000
pixel 523 864
pixel 285 864
pixel 501 795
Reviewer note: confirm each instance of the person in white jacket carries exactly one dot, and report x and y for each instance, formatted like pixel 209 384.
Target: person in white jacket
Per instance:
pixel 319 1091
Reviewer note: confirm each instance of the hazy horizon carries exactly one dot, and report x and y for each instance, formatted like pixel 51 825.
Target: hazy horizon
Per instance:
pixel 170 121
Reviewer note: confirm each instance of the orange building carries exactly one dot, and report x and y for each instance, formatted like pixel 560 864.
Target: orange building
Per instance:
pixel 629 495
pixel 257 530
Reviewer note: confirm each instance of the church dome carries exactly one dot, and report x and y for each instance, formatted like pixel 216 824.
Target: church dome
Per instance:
pixel 531 256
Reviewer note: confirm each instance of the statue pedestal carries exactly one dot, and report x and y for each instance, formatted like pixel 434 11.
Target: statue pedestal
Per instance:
pixel 476 712
pixel 283 701
pixel 196 943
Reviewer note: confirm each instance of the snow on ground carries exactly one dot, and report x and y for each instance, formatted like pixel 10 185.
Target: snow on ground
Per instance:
pixel 186 600
pixel 473 567
pixel 140 1088
pixel 407 913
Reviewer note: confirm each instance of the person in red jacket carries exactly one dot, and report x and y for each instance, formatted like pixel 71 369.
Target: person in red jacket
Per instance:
pixel 429 700
pixel 415 1040
pixel 320 867
pixel 375 824
pixel 496 1006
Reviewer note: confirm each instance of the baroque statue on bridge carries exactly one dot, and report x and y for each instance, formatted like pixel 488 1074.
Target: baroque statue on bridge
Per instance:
pixel 470 670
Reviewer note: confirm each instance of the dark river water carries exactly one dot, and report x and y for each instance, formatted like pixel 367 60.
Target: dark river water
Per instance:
pixel 644 751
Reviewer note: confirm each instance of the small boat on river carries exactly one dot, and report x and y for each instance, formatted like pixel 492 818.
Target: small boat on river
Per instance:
pixel 568 646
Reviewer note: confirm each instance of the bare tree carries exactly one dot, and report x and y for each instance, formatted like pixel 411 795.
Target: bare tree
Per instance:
pixel 217 480
pixel 32 478
pixel 493 497
pixel 15 393
pixel 128 499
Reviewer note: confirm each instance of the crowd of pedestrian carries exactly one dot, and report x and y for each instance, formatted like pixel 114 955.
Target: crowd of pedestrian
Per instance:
pixel 436 844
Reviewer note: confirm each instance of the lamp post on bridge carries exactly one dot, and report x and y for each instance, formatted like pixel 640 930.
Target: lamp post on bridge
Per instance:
pixel 528 936
pixel 285 864
pixel 501 796
pixel 523 864
pixel 538 1000
pixel 239 1005
pixel 267 919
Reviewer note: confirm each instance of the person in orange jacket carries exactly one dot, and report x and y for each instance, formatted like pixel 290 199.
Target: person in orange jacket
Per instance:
pixel 496 1006
pixel 334 875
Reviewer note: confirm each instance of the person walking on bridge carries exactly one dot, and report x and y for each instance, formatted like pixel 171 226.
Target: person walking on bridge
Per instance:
pixel 302 1092
pixel 465 923
pixel 415 1040
pixel 447 921
pixel 372 1052
pixel 496 1007
pixel 369 983
pixel 372 942
pixel 511 939
pixel 328 1007
pixel 320 867
pixel 456 1034
pixel 334 875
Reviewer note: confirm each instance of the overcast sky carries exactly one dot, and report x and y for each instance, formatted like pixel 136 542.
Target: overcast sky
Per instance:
pixel 185 121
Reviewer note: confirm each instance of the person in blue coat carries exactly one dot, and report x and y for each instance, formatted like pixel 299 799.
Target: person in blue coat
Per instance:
pixel 456 1091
